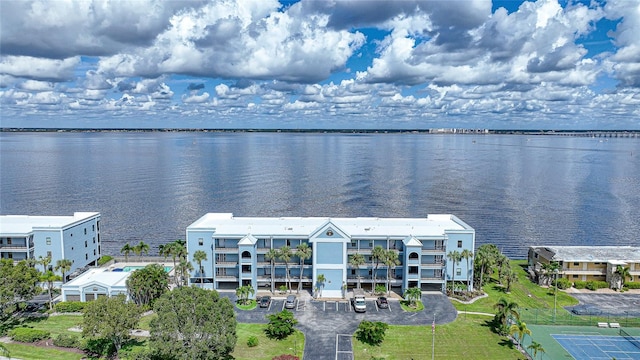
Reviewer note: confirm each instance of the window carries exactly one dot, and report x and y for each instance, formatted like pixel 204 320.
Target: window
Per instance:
pixel 48 241
pixel 575 276
pixel 86 256
pixel 246 255
pixel 94 239
pixel 576 264
pixel 458 271
pixel 85 243
pixel 353 271
pixel 200 241
pixel 48 253
pixel 288 242
pixel 459 243
pixel 413 256
pixel 94 252
pixel 85 231
pixel 93 227
pixel 413 270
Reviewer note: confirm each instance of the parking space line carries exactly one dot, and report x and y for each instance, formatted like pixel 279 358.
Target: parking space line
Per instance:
pixel 338 351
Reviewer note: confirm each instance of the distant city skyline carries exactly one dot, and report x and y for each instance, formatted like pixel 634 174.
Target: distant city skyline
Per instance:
pixel 471 64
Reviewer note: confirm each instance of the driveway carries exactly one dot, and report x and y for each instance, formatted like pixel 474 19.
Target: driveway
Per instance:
pixel 608 304
pixel 328 325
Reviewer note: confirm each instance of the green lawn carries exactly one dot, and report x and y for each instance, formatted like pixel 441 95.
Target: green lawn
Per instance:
pixel 56 325
pixel 524 292
pixel 466 338
pixel 266 348
pixel 22 351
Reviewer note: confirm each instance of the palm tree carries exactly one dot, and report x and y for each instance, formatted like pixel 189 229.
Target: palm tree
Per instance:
pixel 506 308
pixel 178 251
pixel 272 255
pixel 50 277
pixel 485 259
pixel 126 250
pixel 391 259
pixel 467 255
pixel 244 292
pixel 142 247
pixel 184 268
pixel 501 260
pixel 163 250
pixel 285 253
pixel 455 258
pixel 412 295
pixel 321 280
pixel 303 252
pixel 63 265
pixel 623 273
pixel 509 276
pixel 44 261
pixel 356 261
pixel 199 256
pixel 536 348
pixel 520 328
pixel 548 269
pixel 377 256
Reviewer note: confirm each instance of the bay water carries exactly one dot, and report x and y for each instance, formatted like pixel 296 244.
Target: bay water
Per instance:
pixel 515 190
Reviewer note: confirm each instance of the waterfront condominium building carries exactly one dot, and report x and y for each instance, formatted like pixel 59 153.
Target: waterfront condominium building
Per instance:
pixel 253 251
pixel 585 263
pixel 76 238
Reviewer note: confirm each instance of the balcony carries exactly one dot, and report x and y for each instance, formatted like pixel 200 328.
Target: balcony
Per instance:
pixel 433 265
pixel 433 250
pixel 227 250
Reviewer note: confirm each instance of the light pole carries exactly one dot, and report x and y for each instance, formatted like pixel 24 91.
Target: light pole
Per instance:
pixel 555 296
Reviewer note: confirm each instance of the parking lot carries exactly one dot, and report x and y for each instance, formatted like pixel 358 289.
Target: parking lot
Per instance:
pixel 608 304
pixel 328 325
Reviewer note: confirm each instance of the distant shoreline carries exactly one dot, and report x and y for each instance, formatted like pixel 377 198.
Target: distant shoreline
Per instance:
pixel 437 131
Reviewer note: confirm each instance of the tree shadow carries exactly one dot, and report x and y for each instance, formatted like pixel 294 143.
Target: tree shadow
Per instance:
pixel 506 342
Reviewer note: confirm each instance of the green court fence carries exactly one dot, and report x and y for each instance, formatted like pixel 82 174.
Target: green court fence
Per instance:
pixel 549 317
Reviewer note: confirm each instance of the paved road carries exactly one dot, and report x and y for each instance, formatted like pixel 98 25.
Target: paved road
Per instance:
pixel 323 321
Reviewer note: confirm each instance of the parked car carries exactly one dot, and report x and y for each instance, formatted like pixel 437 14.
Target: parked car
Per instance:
pixel 265 301
pixel 358 301
pixel 290 303
pixel 382 302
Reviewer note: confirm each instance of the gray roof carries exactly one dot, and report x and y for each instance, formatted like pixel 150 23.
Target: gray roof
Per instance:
pixel 592 253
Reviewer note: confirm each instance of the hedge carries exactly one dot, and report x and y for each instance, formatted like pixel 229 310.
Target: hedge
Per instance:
pixel 595 285
pixel 563 283
pixel 632 285
pixel 25 334
pixel 580 284
pixel 66 340
pixel 70 306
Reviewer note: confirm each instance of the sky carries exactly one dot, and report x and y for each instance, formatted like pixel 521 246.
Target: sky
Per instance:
pixel 320 64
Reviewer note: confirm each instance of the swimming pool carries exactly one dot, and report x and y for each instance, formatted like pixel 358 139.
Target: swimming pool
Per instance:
pixel 134 268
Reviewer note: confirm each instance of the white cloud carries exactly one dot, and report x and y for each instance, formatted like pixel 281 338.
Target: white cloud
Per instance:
pixel 38 68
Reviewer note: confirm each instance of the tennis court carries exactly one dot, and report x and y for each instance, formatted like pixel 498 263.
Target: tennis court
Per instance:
pixel 600 347
pixel 584 342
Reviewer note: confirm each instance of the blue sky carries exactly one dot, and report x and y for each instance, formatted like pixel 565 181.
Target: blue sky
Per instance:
pixel 542 64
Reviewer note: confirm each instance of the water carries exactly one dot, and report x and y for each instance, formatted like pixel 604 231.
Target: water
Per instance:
pixel 516 191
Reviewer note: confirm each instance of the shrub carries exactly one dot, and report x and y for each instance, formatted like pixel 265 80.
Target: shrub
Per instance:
pixel 580 284
pixel 104 259
pixel 66 340
pixel 594 285
pixel 24 334
pixel 70 306
pixel 632 285
pixel 280 325
pixel 98 347
pixel 252 341
pixel 371 333
pixel 380 289
pixel 283 289
pixel 563 283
